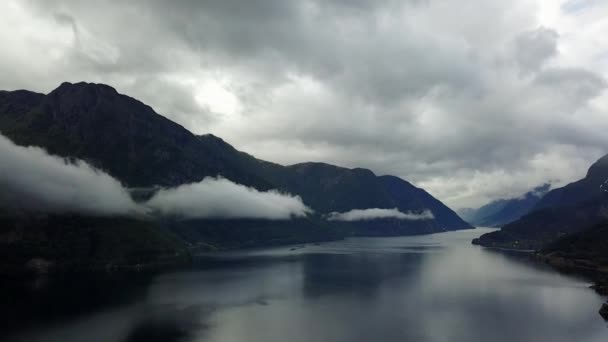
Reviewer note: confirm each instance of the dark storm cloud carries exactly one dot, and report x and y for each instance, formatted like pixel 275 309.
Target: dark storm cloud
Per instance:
pixel 450 95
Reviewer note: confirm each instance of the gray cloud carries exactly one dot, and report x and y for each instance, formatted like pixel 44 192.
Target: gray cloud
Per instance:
pixel 221 198
pixel 534 48
pixel 401 87
pixel 377 213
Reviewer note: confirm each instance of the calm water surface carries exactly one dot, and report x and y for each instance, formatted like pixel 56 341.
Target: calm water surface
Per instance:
pixel 424 288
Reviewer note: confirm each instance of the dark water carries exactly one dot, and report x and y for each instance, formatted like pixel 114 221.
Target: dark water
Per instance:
pixel 426 288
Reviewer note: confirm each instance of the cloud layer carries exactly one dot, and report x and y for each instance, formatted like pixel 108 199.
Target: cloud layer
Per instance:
pixel 221 198
pixel 31 179
pixel 513 90
pixel 377 213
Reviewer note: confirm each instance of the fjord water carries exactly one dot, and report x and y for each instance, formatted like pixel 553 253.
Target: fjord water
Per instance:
pixel 422 288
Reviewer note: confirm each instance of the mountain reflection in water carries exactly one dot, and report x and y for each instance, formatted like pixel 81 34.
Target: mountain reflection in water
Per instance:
pixel 423 288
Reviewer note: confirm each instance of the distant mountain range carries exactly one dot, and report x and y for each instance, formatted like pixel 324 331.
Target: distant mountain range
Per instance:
pixel 142 149
pixel 584 190
pixel 567 229
pixel 561 212
pixel 500 212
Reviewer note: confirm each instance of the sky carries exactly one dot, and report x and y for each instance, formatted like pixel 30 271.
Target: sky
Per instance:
pixel 472 100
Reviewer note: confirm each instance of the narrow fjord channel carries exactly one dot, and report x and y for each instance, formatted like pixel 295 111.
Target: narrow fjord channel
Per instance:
pixel 422 288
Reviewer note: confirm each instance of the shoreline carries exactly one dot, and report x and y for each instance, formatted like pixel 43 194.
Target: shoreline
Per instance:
pixel 585 268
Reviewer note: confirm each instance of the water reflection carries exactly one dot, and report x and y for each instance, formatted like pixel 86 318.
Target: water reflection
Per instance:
pixel 166 323
pixel 45 301
pixel 362 274
pixel 425 288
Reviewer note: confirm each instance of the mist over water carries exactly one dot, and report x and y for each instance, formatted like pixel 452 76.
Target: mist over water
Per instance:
pixel 424 288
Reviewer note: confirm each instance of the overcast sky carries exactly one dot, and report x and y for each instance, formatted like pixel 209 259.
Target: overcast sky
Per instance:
pixel 471 100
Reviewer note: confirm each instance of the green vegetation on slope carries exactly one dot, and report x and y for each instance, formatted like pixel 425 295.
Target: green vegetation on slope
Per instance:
pixel 68 243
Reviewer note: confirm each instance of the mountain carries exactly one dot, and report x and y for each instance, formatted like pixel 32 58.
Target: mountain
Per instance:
pixel 115 133
pixel 560 212
pixel 584 253
pixel 141 148
pixel 500 212
pixel 328 188
pixel 587 249
pixel 476 216
pixel 144 150
pixel 586 189
pixel 467 214
pixel 408 197
pixel 541 227
pixel 34 244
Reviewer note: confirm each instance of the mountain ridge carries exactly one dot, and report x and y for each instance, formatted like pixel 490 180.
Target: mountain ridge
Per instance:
pixel 503 211
pixel 562 211
pixel 141 148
